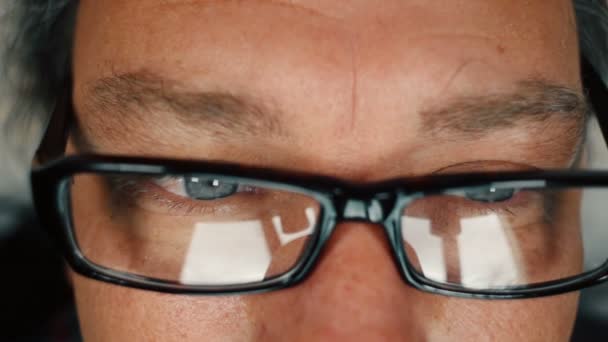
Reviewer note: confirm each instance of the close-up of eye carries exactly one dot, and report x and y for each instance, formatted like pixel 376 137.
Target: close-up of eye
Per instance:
pixel 199 188
pixel 186 195
pixel 490 194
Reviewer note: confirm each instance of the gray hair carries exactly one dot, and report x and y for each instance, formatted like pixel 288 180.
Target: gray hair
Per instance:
pixel 35 50
pixel 592 21
pixel 36 38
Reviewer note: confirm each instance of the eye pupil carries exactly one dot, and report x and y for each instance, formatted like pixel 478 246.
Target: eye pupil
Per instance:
pixel 208 189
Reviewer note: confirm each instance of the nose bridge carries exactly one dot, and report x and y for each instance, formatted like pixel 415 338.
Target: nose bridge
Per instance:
pixel 356 279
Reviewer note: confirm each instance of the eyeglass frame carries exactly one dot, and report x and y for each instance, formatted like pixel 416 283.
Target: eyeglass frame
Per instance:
pixel 49 184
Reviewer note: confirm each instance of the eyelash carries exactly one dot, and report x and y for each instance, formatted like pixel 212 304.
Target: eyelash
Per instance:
pixel 142 190
pixel 175 203
pixel 521 200
pixel 469 207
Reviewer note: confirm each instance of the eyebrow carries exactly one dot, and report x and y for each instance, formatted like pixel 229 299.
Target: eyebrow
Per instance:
pixel 532 101
pixel 136 93
pixel 223 113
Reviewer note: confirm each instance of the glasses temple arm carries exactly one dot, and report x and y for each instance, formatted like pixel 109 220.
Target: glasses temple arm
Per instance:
pixel 55 138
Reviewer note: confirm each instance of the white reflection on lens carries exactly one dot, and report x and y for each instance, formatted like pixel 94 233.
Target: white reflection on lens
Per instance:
pixel 286 238
pixel 428 247
pixel 226 253
pixel 487 259
pixel 235 252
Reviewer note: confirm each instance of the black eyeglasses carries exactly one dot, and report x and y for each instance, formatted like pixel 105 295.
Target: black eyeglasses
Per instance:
pixel 214 228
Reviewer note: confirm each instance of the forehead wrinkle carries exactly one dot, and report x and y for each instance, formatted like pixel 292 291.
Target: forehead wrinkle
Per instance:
pixel 289 4
pixel 300 7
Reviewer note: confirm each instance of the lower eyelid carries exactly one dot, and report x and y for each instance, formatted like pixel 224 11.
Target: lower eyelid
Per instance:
pixel 171 204
pixel 155 198
pixel 467 207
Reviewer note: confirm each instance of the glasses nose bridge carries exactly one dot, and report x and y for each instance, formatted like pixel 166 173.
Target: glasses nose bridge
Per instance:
pixel 370 210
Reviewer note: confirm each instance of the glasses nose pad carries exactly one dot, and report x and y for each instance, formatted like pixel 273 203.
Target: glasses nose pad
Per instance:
pixel 368 210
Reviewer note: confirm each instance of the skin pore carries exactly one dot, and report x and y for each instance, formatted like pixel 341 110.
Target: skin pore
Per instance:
pixel 331 87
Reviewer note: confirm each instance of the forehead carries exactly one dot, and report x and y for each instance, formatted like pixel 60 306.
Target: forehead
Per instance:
pixel 330 66
pixel 313 47
pixel 180 35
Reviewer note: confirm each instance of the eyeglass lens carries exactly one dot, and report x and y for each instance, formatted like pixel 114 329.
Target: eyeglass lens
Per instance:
pixel 501 238
pixel 190 229
pixel 216 230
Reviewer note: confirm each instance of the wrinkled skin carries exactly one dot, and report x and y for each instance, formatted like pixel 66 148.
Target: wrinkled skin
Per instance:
pixel 349 82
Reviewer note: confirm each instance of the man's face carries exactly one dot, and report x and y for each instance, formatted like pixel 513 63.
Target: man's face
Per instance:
pixel 360 90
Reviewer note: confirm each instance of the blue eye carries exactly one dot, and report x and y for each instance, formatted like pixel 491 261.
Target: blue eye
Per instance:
pixel 490 194
pixel 208 189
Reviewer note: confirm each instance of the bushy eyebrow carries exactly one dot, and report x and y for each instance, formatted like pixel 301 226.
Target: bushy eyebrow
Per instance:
pixel 221 112
pixel 533 100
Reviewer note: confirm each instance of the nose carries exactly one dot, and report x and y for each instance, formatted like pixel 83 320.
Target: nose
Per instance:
pixel 354 294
